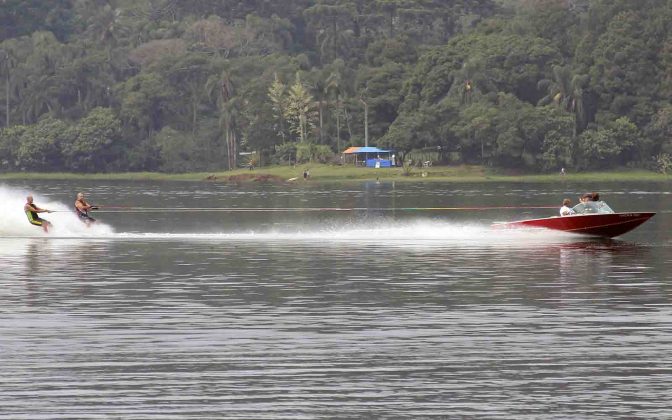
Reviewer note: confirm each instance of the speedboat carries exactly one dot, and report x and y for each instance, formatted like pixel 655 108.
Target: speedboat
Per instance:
pixel 595 219
pixel 606 225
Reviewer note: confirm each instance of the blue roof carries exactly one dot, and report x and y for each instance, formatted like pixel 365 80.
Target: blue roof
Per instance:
pixel 370 150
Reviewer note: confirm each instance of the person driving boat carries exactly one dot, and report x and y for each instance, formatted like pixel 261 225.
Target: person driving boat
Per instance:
pixel 590 203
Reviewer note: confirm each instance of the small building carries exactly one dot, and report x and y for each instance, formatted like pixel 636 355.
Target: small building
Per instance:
pixel 371 157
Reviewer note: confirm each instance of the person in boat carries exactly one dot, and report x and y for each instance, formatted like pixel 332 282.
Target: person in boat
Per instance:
pixel 590 203
pixel 565 210
pixel 82 208
pixel 31 209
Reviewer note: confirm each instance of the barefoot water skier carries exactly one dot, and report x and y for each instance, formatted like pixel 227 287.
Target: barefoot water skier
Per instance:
pixel 31 209
pixel 82 208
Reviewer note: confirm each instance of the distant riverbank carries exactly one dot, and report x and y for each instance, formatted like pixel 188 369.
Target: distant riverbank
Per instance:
pixel 332 173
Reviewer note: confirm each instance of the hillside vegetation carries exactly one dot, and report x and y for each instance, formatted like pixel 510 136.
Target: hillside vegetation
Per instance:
pixel 183 85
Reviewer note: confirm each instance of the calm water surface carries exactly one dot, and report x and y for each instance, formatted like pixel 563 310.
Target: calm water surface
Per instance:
pixel 369 314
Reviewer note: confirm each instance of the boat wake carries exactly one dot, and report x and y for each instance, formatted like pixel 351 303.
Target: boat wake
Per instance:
pixel 384 231
pixel 66 224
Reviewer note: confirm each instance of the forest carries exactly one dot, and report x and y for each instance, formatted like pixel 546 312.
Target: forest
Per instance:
pixel 201 85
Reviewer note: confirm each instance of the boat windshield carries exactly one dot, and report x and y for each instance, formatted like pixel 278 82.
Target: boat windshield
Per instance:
pixel 593 207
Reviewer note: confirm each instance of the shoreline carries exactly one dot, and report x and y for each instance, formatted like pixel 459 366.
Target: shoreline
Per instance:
pixel 328 173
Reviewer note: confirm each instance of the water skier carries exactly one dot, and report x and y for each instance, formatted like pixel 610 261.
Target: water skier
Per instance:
pixel 31 209
pixel 82 208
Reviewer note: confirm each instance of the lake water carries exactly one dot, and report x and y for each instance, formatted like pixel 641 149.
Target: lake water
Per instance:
pixel 171 314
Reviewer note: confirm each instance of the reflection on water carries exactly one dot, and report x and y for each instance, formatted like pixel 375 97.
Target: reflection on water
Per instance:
pixel 175 328
pixel 417 318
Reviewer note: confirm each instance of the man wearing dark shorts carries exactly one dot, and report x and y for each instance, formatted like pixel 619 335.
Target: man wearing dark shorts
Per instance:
pixel 82 209
pixel 31 209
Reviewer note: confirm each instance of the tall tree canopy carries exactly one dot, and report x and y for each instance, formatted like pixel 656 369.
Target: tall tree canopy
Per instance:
pixel 187 85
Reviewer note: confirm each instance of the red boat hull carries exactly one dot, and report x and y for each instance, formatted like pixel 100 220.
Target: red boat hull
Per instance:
pixel 606 225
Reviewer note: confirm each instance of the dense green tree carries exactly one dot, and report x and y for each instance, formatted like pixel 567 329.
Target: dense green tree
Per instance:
pixel 527 84
pixel 84 83
pixel 23 17
pixel 300 111
pixel 175 151
pixel 10 140
pixel 555 20
pixel 320 91
pixel 221 87
pixel 277 94
pixel 90 146
pixel 148 101
pixel 257 122
pixel 660 130
pixel 335 94
pixel 597 149
pixel 397 50
pixel 625 60
pixel 477 132
pixel 8 64
pixel 40 145
pixel 607 147
pixel 188 75
pixel 382 87
pixel 629 140
pixel 571 93
pixel 427 127
pixel 38 90
pixel 333 28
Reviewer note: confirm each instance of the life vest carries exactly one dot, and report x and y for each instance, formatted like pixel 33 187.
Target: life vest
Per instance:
pixel 31 214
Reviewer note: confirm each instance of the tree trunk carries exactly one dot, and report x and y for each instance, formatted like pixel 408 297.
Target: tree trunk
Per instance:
pixel 234 149
pixel 482 152
pixel 366 123
pixel 7 100
pixel 282 129
pixel 338 129
pixel 302 128
pixel 347 122
pixel 321 125
pixel 228 148
pixel 194 115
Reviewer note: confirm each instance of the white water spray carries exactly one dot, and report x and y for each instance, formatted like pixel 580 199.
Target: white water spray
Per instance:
pixel 383 232
pixel 388 232
pixel 13 221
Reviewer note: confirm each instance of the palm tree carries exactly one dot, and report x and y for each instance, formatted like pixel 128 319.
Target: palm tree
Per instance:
pixel 335 91
pixel 567 91
pixel 9 63
pixel 277 94
pixel 37 86
pixel 320 91
pixel 39 97
pixel 106 28
pixel 221 88
pixel 332 25
pixel 362 95
pixel 300 109
pixel 366 121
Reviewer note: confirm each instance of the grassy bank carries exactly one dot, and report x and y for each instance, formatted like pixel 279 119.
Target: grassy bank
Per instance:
pixel 329 173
